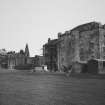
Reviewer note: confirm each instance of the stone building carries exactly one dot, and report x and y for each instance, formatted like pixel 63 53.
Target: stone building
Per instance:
pixel 77 47
pixel 62 47
pixel 11 60
pixel 27 54
pixel 50 54
pixel 20 58
pixel 39 60
pixel 81 44
pixel 3 58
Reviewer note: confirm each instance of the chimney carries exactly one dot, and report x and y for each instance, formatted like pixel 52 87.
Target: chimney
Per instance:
pixel 49 40
pixel 59 34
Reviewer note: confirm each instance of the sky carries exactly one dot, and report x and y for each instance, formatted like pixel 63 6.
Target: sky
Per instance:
pixel 34 21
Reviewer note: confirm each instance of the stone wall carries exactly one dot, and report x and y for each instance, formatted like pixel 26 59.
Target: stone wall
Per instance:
pixel 62 50
pixel 80 44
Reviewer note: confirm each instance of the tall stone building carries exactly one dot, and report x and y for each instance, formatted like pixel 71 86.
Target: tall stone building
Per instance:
pixel 81 44
pixel 15 59
pixel 50 54
pixel 62 47
pixel 77 47
pixel 27 54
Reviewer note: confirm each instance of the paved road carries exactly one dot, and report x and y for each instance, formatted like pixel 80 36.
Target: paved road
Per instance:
pixel 26 88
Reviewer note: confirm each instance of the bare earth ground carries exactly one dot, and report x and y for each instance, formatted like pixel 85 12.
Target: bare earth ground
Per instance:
pixel 27 88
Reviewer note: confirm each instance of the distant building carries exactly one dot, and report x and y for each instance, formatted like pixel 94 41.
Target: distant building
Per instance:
pixel 3 58
pixel 3 52
pixel 27 54
pixel 20 58
pixel 62 47
pixel 50 54
pixel 39 60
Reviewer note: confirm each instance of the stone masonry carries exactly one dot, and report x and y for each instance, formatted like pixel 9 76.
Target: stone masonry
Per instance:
pixel 81 44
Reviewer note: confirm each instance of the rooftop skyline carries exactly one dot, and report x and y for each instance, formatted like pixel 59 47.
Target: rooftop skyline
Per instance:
pixel 34 21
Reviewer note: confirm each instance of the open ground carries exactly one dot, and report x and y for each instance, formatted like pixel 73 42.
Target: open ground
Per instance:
pixel 28 88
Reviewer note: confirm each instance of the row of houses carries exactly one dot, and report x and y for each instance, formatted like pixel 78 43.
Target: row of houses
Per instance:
pixel 77 47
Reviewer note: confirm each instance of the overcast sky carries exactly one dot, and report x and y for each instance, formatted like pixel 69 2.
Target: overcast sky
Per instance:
pixel 34 21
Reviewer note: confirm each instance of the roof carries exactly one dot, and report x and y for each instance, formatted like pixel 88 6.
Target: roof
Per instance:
pixel 51 42
pixel 87 26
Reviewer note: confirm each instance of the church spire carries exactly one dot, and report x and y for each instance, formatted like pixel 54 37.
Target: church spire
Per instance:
pixel 27 51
